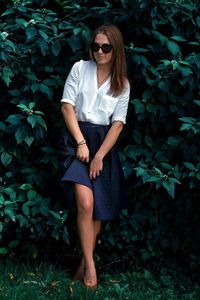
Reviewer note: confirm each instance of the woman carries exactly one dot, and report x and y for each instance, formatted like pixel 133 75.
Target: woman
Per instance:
pixel 94 108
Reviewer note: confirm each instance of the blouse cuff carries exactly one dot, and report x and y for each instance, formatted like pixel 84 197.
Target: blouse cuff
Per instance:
pixel 119 119
pixel 66 100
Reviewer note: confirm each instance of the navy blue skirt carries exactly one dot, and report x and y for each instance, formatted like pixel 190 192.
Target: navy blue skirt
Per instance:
pixel 109 187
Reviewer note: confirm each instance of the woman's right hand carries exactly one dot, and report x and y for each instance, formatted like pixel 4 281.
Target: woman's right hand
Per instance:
pixel 82 153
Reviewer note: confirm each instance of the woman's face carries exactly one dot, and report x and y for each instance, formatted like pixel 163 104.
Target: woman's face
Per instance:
pixel 100 56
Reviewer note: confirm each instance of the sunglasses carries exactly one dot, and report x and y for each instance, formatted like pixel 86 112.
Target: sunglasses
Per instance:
pixel 106 48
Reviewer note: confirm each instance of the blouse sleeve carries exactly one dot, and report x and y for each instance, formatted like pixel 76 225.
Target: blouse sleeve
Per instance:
pixel 71 85
pixel 121 107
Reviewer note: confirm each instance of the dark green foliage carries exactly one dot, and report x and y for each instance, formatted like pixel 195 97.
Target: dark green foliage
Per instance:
pixel 20 281
pixel 160 147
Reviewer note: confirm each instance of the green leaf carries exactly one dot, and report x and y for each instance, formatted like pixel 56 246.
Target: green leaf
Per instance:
pixel 185 126
pixel 10 213
pixel 31 105
pixel 8 191
pixel 147 94
pixel 197 102
pixel 35 87
pixel 3 250
pixel 22 22
pixel 15 119
pixel 4 55
pixel 174 140
pixel 44 209
pixel 7 74
pixel 1 227
pixel 160 36
pixel 167 166
pixel 31 32
pixel 154 11
pixel 13 244
pixel 43 35
pixel 8 12
pixel 185 71
pixel 148 141
pixel 139 106
pixel 163 86
pixel 133 151
pixel 6 158
pixel 75 43
pixel 173 47
pixel 86 34
pixel 166 62
pixel 189 166
pixel 140 171
pixel 169 187
pixel 45 89
pixel 198 21
pixel 43 47
pixel 2 199
pixel 29 140
pixel 20 134
pixel 40 121
pixel 137 136
pixel 32 120
pixel 178 38
pixel 56 48
pixel 25 187
pixel 23 107
pixel 25 209
pixel 22 220
pixel 31 195
pixel 152 179
pixel 14 92
pixel 55 214
pixel 190 120
pixel 49 150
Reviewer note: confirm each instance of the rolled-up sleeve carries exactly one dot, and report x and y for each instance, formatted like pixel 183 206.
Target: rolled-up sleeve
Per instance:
pixel 71 85
pixel 121 107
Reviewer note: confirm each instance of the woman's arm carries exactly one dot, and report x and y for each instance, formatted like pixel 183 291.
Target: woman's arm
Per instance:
pixel 72 124
pixel 96 165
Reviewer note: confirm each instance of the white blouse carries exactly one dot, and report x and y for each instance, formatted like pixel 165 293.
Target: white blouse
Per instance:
pixel 93 104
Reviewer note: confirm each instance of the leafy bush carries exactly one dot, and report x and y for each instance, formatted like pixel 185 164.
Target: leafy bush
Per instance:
pixel 159 145
pixel 161 156
pixel 31 68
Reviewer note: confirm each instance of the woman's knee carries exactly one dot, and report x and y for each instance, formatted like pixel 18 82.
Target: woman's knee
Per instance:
pixel 84 198
pixel 85 206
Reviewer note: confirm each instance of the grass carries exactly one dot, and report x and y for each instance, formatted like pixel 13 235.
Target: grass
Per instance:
pixel 42 281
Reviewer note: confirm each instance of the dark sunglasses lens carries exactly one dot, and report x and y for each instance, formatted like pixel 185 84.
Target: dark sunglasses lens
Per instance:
pixel 95 47
pixel 106 48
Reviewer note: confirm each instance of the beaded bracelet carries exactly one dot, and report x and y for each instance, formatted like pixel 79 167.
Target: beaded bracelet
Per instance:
pixel 81 143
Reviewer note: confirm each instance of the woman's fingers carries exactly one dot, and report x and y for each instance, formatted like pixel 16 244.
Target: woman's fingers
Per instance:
pixel 83 153
pixel 96 167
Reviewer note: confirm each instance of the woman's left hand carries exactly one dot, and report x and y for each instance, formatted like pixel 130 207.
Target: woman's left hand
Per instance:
pixel 96 166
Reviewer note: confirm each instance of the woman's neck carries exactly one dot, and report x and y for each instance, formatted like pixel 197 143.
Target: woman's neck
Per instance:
pixel 103 72
pixel 104 68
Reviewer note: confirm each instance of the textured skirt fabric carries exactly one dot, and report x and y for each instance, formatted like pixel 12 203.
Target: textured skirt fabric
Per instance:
pixel 109 187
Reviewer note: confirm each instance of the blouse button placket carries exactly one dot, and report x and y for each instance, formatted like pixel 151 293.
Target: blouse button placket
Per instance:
pixel 92 102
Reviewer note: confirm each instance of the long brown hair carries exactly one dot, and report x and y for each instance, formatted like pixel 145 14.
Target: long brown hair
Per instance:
pixel 119 68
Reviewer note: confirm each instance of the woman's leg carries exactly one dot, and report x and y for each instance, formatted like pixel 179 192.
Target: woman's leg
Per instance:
pixel 80 271
pixel 87 231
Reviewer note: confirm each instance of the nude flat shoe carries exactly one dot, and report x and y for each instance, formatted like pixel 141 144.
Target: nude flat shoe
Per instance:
pixel 90 284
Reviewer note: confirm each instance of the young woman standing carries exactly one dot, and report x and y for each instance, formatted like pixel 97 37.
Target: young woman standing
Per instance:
pixel 94 108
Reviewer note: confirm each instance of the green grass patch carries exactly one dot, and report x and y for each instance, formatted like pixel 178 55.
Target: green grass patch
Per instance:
pixel 45 281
